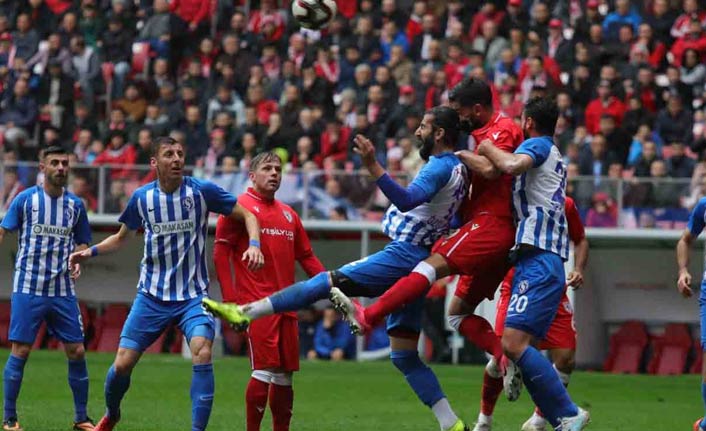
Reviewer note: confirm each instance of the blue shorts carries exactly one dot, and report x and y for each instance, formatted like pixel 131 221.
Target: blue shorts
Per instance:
pixel 374 274
pixel 537 290
pixel 62 314
pixel 702 313
pixel 149 317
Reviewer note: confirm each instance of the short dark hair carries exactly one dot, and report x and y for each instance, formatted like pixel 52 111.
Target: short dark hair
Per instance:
pixel 261 158
pixel 54 150
pixel 448 119
pixel 159 141
pixel 544 112
pixel 471 91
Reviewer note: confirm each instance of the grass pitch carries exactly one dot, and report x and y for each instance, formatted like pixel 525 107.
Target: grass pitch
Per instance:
pixel 341 397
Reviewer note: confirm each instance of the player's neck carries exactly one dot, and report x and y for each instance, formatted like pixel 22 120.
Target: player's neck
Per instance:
pixel 52 190
pixel 266 195
pixel 170 186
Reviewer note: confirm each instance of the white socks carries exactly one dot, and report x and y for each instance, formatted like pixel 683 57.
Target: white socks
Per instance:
pixel 257 309
pixel 446 417
pixel 484 419
pixel 426 270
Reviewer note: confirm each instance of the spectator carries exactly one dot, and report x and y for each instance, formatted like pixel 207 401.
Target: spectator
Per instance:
pixel 263 107
pixel 51 51
pixel 490 43
pixel 332 339
pixel 644 161
pixel 83 145
pixel 623 14
pixel 679 165
pixel 660 20
pixel 596 161
pixel 134 104
pixel 695 39
pixel 56 92
pixel 11 187
pixel 118 152
pixel 662 194
pixel 225 100
pixel 605 104
pixel 693 71
pixel 157 29
pixel 86 68
pixel 316 91
pixel 81 188
pixel 655 47
pixel 18 109
pixel 682 25
pixel 25 39
pixel 489 12
pixel 674 123
pixel 618 140
pixel 116 44
pixel 411 162
pixel 602 212
pixel 156 120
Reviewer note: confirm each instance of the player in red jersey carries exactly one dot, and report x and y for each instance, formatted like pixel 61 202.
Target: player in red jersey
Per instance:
pixel 480 248
pixel 274 340
pixel 561 338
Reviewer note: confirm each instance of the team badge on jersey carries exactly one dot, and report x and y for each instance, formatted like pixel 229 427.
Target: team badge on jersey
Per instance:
pixel 188 203
pixel 523 287
pixel 69 216
pixel 287 215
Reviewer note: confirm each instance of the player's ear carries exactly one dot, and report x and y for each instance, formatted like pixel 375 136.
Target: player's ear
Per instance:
pixel 153 162
pixel 440 133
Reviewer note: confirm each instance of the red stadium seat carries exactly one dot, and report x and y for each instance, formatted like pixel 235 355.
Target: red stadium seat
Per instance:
pixel 108 327
pixel 627 347
pixel 178 341
pixel 158 345
pixel 4 324
pixel 140 58
pixel 671 351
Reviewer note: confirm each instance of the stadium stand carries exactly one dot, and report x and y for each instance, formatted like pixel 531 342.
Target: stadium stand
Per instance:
pixel 670 351
pixel 627 348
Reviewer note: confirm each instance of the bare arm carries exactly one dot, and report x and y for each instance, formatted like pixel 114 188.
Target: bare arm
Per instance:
pixel 2 234
pixel 509 163
pixel 478 164
pixel 684 280
pixel 575 278
pixel 108 245
pixel 252 255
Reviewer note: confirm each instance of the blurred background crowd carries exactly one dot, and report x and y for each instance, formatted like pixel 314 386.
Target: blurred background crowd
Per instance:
pixel 230 78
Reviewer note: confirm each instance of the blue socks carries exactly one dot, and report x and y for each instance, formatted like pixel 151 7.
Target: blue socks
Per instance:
pixel 703 397
pixel 543 384
pixel 202 387
pixel 420 377
pixel 301 295
pixel 12 381
pixel 115 387
pixel 78 380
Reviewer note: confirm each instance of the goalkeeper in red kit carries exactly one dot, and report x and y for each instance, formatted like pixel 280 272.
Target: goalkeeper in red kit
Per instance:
pixel 273 340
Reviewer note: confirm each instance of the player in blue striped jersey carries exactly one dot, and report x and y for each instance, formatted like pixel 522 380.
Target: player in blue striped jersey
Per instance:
pixel 51 223
pixel 541 246
pixel 173 210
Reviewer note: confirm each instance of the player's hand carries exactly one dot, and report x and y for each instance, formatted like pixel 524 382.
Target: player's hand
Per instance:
pixel 575 279
pixel 684 284
pixel 76 258
pixel 254 258
pixel 75 271
pixel 365 148
pixel 464 156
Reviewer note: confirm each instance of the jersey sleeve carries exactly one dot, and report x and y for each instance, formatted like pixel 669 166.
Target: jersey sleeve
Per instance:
pixel 576 230
pixel 433 176
pixel 538 149
pixel 217 199
pixel 131 215
pixel 504 140
pixel 696 218
pixel 13 217
pixel 227 230
pixel 82 230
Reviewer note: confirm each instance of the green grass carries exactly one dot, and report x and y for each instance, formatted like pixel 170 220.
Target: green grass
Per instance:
pixel 342 396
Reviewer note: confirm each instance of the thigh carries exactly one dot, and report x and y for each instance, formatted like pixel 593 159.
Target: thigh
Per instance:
pixel 194 320
pixel 562 332
pixel 376 273
pixel 27 313
pixel 289 343
pixel 64 319
pixel 263 340
pixel 147 319
pixel 537 290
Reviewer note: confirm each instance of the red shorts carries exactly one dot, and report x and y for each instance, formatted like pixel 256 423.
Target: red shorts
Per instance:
pixel 562 333
pixel 479 251
pixel 274 343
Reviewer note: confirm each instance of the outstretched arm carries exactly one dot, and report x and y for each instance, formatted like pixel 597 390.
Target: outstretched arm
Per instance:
pixel 478 164
pixel 684 280
pixel 509 163
pixel 403 198
pixel 108 245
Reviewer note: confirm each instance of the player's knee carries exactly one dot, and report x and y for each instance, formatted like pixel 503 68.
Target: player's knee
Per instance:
pixel 341 280
pixel 201 354
pixel 565 363
pixel 513 345
pixel 21 350
pixel 75 351
pixel 407 361
pixel 455 320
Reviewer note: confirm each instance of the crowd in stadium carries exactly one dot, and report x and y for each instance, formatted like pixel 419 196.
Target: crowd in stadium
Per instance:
pixel 231 79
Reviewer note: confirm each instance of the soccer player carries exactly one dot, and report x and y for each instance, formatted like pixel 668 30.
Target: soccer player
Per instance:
pixel 52 223
pixel 420 214
pixel 541 248
pixel 173 210
pixel 561 337
pixel 479 249
pixel 274 340
pixel 697 220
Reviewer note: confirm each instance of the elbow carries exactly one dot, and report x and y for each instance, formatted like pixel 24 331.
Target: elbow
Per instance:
pixel 512 168
pixel 490 172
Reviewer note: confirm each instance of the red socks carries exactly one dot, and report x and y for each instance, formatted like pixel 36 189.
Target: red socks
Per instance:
pixel 478 331
pixel 255 402
pixel 405 291
pixel 281 404
pixel 492 388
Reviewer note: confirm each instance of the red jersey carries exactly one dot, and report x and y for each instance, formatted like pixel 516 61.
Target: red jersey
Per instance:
pixel 494 196
pixel 573 219
pixel 283 241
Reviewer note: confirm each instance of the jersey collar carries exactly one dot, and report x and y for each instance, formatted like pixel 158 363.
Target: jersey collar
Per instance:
pixel 251 191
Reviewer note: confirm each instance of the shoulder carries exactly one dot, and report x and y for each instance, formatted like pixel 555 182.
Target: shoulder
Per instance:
pixel 140 192
pixel 75 199
pixel 26 194
pixel 701 206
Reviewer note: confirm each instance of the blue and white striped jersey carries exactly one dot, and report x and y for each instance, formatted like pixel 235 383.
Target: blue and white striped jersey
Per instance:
pixel 538 198
pixel 176 226
pixel 445 178
pixel 49 229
